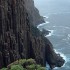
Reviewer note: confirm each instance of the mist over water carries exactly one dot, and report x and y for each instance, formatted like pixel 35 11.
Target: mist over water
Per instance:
pixel 52 6
pixel 57 16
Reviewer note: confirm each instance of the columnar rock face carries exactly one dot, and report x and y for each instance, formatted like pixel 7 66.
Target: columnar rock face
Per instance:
pixel 33 12
pixel 19 38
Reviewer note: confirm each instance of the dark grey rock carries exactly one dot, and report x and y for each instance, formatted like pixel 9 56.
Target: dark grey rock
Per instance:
pixel 21 39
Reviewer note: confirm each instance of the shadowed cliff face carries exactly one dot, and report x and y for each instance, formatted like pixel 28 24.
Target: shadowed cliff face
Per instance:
pixel 19 38
pixel 34 15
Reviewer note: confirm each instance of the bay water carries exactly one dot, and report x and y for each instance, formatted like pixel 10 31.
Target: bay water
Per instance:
pixel 57 20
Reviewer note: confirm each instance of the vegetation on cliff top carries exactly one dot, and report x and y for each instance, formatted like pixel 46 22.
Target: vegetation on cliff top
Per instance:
pixel 24 64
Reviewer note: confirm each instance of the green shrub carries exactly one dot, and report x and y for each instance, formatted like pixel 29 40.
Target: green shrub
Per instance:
pixel 41 68
pixel 17 67
pixel 22 61
pixel 24 64
pixel 31 67
pixel 31 61
pixel 4 69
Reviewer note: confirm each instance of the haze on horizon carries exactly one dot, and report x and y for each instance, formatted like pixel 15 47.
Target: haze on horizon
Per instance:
pixel 52 6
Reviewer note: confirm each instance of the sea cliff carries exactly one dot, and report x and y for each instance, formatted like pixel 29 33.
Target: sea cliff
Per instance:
pixel 19 38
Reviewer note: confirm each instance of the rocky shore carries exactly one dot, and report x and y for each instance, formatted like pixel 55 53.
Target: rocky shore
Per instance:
pixel 19 38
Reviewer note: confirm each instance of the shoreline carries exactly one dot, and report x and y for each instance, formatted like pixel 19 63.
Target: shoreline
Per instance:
pixel 50 34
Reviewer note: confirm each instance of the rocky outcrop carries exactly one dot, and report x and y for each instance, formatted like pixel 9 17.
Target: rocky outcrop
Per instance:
pixel 20 39
pixel 45 32
pixel 35 17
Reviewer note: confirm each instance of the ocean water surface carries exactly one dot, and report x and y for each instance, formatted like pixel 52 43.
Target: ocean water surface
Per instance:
pixel 57 19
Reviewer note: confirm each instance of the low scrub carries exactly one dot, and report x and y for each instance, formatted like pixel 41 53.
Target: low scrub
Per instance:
pixel 24 64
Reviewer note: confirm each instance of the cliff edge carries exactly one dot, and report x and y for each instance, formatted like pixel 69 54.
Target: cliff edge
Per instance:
pixel 21 39
pixel 34 15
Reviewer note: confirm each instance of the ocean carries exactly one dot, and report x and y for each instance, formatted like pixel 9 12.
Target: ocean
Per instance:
pixel 57 20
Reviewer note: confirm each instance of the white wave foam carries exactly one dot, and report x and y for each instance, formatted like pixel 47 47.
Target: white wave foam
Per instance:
pixel 50 34
pixel 67 27
pixel 42 24
pixel 64 39
pixel 46 22
pixel 54 26
pixel 62 55
pixel 45 17
pixel 68 35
